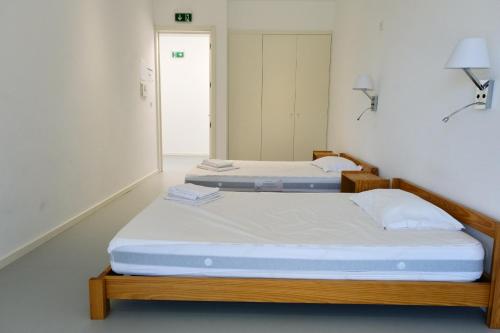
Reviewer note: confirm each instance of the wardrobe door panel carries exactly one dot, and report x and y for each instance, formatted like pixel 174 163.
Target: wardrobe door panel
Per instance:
pixel 278 96
pixel 245 96
pixel 312 94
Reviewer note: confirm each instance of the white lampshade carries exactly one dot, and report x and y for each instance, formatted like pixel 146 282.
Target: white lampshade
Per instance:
pixel 470 53
pixel 363 82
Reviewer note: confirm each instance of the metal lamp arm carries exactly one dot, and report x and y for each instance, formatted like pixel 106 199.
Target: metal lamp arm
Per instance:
pixel 363 113
pixel 448 117
pixel 373 100
pixel 367 94
pixel 474 79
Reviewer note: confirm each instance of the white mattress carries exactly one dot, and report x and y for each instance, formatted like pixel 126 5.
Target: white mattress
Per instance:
pixel 289 235
pixel 268 176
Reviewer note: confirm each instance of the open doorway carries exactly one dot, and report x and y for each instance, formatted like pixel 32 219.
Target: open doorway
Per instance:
pixel 184 60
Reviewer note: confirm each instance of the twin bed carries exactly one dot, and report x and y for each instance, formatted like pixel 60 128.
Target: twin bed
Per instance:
pixel 274 176
pixel 297 248
pixel 299 236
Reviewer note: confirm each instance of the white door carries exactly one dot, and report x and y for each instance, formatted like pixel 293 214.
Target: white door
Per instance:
pixel 185 93
pixel 245 96
pixel 312 94
pixel 278 97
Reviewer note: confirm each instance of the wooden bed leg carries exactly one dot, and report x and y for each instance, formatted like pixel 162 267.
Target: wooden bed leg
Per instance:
pixel 99 303
pixel 493 319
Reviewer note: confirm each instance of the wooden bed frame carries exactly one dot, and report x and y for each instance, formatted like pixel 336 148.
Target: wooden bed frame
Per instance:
pixel 367 167
pixel 482 293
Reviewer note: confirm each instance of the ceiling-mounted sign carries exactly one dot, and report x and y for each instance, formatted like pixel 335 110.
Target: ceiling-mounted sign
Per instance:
pixel 177 54
pixel 184 17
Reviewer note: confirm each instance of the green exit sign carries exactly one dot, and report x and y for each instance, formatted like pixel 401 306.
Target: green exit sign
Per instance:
pixel 183 17
pixel 177 54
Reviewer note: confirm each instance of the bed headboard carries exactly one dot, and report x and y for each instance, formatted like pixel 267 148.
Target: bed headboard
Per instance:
pixel 465 215
pixel 367 167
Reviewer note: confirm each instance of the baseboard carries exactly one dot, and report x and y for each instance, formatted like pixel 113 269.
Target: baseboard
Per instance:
pixel 30 246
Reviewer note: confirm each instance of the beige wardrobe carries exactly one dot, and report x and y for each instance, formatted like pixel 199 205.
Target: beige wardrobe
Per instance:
pixel 278 95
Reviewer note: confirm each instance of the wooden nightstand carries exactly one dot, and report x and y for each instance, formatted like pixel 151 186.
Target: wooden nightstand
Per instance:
pixel 355 182
pixel 322 153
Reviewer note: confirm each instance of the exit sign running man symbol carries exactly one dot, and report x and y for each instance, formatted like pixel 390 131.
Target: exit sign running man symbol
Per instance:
pixel 183 17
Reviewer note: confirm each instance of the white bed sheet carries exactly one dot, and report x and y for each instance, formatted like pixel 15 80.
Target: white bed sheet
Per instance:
pixel 296 176
pixel 317 236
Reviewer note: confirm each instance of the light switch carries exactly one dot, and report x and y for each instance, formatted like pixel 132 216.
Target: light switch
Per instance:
pixel 144 89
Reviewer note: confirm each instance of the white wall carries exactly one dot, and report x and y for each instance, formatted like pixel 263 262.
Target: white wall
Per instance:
pixel 205 13
pixel 73 128
pixel 406 137
pixel 281 15
pixel 185 94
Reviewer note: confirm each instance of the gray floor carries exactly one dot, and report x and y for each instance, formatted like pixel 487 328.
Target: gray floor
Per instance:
pixel 46 291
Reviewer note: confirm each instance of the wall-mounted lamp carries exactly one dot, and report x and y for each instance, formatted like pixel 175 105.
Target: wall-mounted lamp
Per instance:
pixel 364 83
pixel 472 53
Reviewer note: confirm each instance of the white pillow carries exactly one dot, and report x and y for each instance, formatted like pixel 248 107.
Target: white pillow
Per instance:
pixel 336 164
pixel 397 209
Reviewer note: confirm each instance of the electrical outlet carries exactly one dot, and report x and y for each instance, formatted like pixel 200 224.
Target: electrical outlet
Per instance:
pixel 484 96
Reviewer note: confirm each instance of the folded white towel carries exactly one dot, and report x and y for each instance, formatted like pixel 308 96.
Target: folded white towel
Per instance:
pixel 191 191
pixel 197 202
pixel 206 167
pixel 217 163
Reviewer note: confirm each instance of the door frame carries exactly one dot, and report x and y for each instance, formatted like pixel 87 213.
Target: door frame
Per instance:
pixel 206 30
